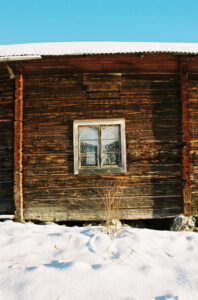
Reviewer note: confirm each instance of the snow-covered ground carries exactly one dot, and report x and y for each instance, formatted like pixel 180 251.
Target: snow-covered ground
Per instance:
pixel 53 262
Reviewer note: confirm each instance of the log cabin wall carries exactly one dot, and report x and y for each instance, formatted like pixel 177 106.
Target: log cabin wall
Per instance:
pixel 145 90
pixel 193 129
pixel 6 140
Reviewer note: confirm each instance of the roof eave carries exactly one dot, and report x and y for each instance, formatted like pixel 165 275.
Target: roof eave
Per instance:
pixel 19 58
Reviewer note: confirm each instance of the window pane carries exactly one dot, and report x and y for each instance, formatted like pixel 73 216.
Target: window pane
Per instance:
pixel 88 146
pixel 110 146
pixel 89 159
pixel 110 132
pixel 110 159
pixel 88 133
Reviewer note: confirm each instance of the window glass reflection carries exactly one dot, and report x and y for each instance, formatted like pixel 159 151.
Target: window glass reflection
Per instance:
pixel 110 132
pixel 111 159
pixel 88 133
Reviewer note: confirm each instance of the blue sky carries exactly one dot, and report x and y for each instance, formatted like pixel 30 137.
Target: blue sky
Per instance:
pixel 25 21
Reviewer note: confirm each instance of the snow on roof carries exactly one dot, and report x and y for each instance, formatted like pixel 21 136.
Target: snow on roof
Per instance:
pixel 79 48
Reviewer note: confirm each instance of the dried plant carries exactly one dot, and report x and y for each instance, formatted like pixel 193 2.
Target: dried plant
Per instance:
pixel 110 192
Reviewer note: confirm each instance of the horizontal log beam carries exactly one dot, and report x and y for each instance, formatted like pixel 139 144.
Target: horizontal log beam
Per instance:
pixel 54 215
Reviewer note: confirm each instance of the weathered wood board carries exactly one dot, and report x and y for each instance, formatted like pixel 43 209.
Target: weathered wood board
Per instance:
pixel 146 92
pixel 6 141
pixel 162 143
pixel 193 120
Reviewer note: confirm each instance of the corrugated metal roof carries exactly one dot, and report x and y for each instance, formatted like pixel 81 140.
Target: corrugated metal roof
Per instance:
pixel 78 48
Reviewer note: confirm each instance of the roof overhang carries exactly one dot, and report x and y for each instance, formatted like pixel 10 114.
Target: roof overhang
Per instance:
pixel 37 50
pixel 18 58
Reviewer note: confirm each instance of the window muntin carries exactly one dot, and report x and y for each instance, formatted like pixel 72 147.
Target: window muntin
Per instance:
pixel 99 146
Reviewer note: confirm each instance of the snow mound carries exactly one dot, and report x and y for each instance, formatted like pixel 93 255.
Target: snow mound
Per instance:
pixel 45 262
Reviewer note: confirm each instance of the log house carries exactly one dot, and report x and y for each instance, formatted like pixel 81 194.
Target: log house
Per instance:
pixel 76 115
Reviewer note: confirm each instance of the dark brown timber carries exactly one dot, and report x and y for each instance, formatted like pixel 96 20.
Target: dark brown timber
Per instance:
pixel 6 141
pixel 185 136
pixel 145 91
pixel 157 97
pixel 18 143
pixel 193 128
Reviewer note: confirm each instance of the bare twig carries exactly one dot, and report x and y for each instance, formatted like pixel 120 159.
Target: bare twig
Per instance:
pixel 111 194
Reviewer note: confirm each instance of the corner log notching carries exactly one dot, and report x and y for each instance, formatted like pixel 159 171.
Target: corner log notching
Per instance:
pixel 185 137
pixel 18 143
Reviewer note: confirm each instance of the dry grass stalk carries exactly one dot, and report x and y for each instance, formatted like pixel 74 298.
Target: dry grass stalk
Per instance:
pixel 111 194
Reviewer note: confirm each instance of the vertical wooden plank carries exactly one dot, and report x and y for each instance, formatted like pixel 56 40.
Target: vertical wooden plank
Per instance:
pixel 185 137
pixel 18 142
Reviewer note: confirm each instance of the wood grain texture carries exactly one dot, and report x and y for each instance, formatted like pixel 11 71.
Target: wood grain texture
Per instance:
pixel 6 141
pixel 185 136
pixel 193 140
pixel 18 145
pixel 145 92
pixel 117 63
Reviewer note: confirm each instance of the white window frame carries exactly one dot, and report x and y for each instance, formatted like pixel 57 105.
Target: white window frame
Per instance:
pixel 95 169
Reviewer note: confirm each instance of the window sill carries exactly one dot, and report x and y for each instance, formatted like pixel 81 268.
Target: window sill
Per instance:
pixel 109 171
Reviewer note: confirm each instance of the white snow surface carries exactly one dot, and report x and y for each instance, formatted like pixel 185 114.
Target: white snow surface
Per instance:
pixel 53 262
pixel 79 48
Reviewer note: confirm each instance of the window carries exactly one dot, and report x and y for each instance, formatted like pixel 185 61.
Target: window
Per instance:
pixel 99 146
